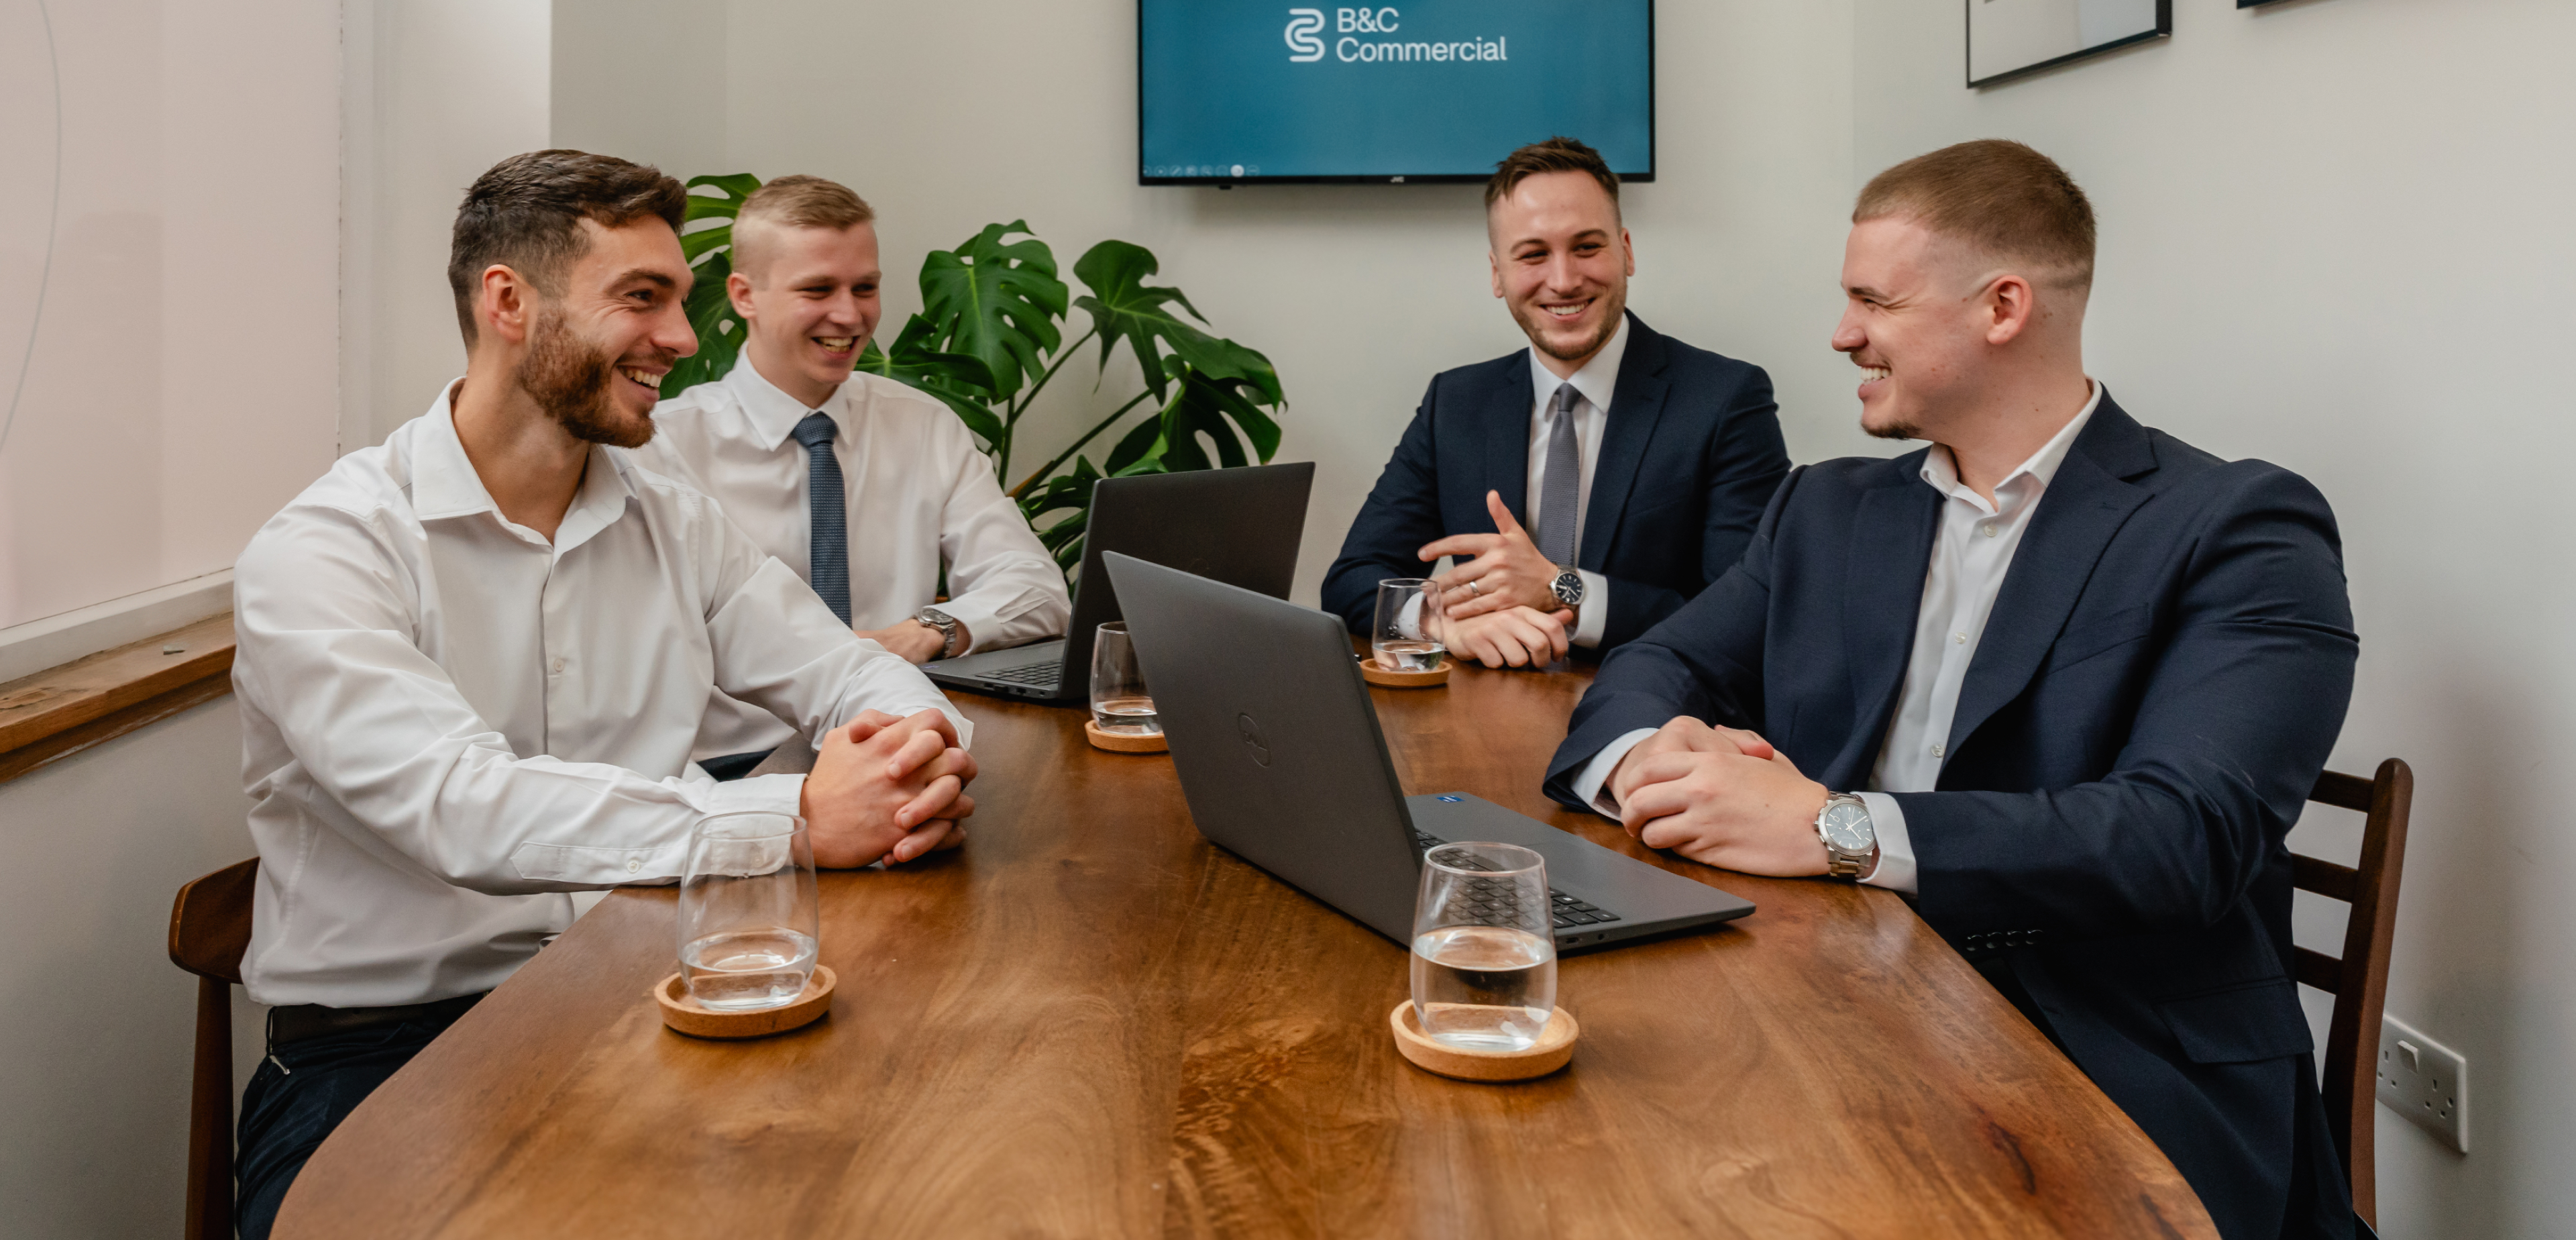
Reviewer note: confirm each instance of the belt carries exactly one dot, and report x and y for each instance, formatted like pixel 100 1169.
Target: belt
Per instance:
pixel 312 1020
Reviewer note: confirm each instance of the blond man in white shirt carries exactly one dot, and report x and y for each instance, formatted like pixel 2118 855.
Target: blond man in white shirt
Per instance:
pixel 864 486
pixel 473 661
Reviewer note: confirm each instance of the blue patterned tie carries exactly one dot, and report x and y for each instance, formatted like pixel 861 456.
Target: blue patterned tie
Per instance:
pixel 828 505
pixel 1560 490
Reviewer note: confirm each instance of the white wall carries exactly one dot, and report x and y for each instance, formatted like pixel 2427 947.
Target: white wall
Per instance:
pixel 949 116
pixel 2334 236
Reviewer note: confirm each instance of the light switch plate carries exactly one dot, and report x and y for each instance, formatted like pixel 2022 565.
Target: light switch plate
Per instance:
pixel 2424 1081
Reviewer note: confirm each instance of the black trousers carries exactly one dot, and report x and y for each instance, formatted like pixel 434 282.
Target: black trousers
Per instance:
pixel 299 1094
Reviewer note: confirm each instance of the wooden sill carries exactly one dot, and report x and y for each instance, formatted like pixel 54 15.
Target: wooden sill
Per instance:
pixel 61 711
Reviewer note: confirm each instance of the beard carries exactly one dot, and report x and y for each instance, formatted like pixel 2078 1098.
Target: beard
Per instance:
pixel 1891 430
pixel 569 380
pixel 1534 321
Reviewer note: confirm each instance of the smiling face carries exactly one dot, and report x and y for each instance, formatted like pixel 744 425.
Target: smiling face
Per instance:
pixel 1919 322
pixel 808 298
pixel 1561 263
pixel 595 357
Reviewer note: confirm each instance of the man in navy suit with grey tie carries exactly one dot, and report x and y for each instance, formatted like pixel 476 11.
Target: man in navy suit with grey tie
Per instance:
pixel 1587 486
pixel 2063 679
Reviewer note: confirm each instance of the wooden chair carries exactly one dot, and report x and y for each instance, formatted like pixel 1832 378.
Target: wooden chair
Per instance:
pixel 209 930
pixel 2358 981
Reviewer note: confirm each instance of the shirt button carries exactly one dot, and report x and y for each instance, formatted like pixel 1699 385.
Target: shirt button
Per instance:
pixel 1936 750
pixel 558 665
pixel 1960 638
pixel 634 864
pixel 1988 529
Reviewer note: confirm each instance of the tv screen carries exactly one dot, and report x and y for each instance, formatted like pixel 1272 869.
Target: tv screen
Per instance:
pixel 1231 91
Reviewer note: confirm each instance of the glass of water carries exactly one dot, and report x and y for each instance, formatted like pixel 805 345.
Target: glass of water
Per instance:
pixel 1484 947
pixel 1408 612
pixel 748 913
pixel 1119 700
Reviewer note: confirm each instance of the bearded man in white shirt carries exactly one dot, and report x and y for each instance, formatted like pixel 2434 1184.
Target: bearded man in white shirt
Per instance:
pixel 473 662
pixel 863 485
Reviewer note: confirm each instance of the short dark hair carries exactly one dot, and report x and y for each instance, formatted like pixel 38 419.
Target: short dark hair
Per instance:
pixel 525 213
pixel 2004 199
pixel 1553 155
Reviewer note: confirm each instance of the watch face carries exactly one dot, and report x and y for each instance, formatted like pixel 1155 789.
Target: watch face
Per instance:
pixel 1846 826
pixel 1568 587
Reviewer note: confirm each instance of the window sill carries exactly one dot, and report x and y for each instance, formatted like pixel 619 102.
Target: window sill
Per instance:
pixel 61 711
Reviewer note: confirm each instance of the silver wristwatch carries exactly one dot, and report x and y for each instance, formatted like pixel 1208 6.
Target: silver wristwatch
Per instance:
pixel 942 621
pixel 1568 587
pixel 1851 841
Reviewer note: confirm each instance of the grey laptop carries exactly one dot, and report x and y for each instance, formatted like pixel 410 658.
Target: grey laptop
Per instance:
pixel 1280 756
pixel 1240 526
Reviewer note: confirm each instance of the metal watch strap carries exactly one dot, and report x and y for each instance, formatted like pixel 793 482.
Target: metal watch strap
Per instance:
pixel 942 621
pixel 1839 862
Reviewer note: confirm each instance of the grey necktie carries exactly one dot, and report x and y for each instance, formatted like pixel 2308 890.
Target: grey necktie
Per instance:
pixel 1560 490
pixel 828 507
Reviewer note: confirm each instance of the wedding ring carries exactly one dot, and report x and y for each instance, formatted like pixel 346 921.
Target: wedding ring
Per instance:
pixel 1476 588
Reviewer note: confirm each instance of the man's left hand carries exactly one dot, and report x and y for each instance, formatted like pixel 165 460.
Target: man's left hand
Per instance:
pixel 915 641
pixel 1507 570
pixel 1751 815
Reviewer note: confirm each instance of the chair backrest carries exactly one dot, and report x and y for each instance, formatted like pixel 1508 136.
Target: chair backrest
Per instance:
pixel 2359 980
pixel 210 922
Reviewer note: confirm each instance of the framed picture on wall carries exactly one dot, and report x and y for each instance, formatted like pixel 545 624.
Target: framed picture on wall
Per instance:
pixel 2009 38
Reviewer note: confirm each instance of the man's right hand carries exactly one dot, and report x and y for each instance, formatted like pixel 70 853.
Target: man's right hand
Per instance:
pixel 1682 735
pixel 887 788
pixel 1513 637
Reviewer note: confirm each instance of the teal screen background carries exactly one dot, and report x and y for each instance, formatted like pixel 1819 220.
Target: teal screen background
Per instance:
pixel 1219 90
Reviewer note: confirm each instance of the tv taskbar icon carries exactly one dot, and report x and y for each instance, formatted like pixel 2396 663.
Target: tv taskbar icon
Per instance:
pixel 1202 170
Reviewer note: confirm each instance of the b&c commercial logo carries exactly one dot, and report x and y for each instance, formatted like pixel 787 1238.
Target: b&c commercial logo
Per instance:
pixel 1305 30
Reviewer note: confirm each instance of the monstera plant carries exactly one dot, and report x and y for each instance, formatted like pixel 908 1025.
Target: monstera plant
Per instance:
pixel 991 336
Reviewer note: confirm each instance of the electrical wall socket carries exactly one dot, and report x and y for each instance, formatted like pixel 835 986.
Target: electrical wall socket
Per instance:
pixel 2424 1081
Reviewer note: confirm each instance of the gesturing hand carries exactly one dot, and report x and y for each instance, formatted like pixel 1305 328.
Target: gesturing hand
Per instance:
pixel 1507 570
pixel 1520 637
pixel 888 788
pixel 1720 796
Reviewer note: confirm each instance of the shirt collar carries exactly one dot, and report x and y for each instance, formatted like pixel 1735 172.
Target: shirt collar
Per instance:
pixel 773 414
pixel 1942 471
pixel 1598 379
pixel 444 483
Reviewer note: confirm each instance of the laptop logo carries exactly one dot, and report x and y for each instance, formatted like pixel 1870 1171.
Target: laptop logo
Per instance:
pixel 1448 797
pixel 1253 739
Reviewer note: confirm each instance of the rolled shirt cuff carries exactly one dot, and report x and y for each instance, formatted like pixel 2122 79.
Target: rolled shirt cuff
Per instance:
pixel 983 624
pixel 1592 785
pixel 1895 869
pixel 1594 615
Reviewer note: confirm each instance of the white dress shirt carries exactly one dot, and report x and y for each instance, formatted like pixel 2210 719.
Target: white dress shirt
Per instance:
pixel 449 723
pixel 1596 382
pixel 920 494
pixel 1972 552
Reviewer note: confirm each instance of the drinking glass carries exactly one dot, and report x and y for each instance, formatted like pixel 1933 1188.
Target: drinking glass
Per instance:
pixel 1402 637
pixel 748 913
pixel 1119 700
pixel 1484 947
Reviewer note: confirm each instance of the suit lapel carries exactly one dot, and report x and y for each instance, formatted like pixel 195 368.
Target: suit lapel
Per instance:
pixel 2083 507
pixel 1507 436
pixel 1636 405
pixel 1891 550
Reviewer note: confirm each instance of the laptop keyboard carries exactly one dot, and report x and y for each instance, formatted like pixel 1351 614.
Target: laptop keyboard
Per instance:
pixel 1041 675
pixel 1569 911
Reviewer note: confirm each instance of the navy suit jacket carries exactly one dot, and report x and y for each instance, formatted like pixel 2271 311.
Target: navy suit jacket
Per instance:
pixel 1689 451
pixel 2162 677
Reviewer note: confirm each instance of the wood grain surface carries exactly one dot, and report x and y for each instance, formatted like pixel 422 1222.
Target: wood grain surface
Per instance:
pixel 1089 1022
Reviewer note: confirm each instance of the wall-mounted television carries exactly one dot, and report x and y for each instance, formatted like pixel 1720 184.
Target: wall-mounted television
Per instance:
pixel 1233 91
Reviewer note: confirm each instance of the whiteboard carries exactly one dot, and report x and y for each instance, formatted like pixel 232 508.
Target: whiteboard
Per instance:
pixel 169 286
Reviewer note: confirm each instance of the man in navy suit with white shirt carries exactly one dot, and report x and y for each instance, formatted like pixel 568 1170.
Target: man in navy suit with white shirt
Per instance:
pixel 2063 679
pixel 1588 485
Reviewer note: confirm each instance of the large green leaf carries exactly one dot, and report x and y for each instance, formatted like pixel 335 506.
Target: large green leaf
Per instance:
pixel 996 300
pixel 961 381
pixel 1205 406
pixel 1124 307
pixel 710 254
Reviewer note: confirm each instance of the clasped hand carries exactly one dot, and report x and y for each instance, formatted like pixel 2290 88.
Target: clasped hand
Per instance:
pixel 1498 607
pixel 1720 796
pixel 889 788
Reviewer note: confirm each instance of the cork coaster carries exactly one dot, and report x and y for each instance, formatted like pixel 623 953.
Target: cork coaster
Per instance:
pixel 1372 672
pixel 686 1015
pixel 1124 742
pixel 1554 1049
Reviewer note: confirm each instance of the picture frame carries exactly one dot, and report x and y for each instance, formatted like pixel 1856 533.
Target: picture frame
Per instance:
pixel 2009 39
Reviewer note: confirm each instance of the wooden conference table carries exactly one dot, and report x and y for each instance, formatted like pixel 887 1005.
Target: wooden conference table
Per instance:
pixel 1089 1022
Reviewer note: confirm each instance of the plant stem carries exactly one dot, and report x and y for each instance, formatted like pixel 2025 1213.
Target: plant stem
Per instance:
pixel 1087 437
pixel 1019 404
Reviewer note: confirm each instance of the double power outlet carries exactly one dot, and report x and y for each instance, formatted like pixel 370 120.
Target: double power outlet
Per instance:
pixel 2424 1081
